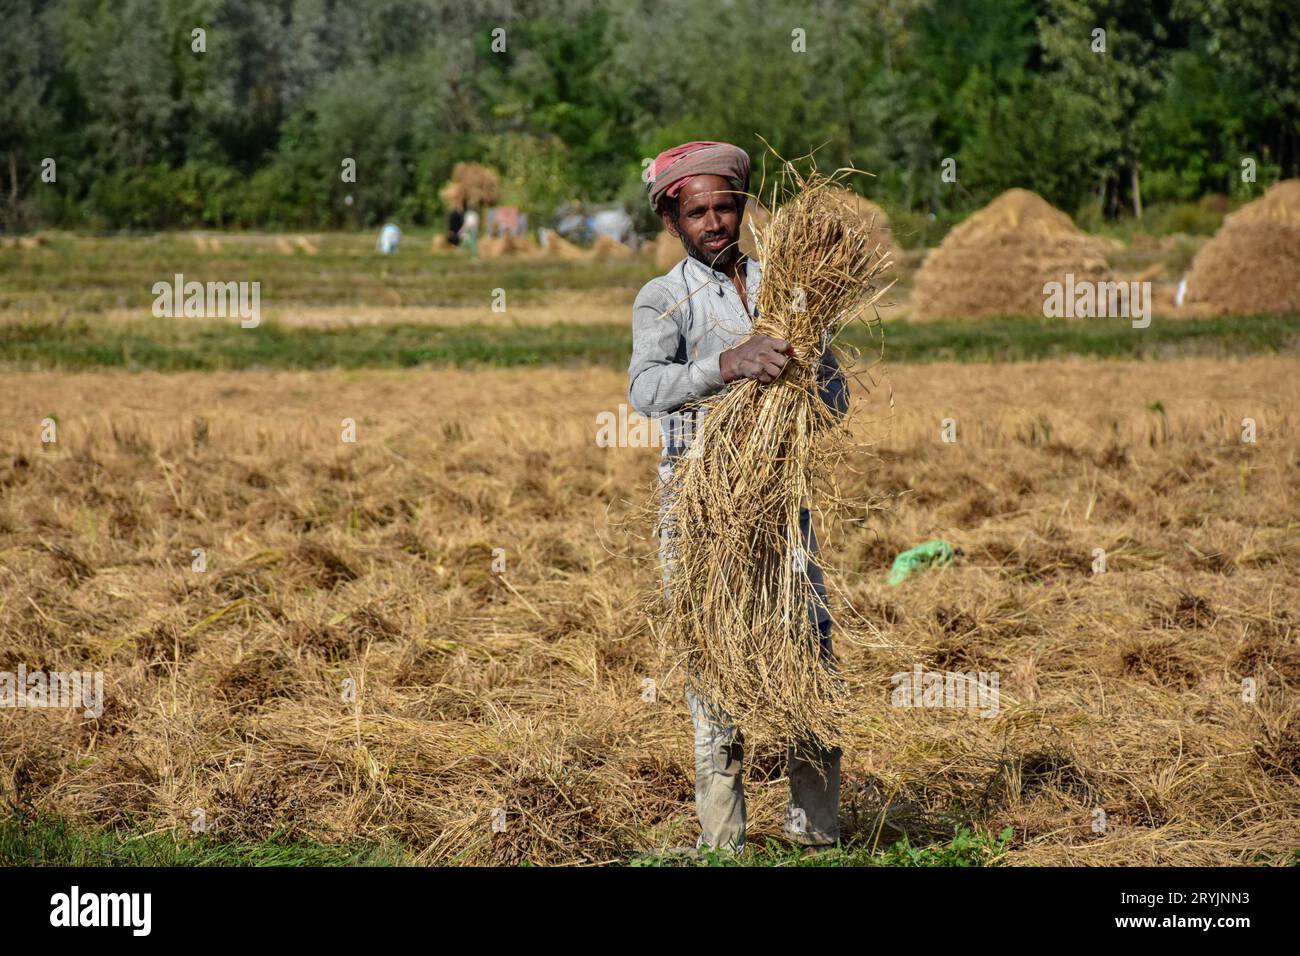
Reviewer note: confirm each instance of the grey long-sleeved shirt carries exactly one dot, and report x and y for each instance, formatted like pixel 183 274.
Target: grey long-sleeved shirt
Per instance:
pixel 682 322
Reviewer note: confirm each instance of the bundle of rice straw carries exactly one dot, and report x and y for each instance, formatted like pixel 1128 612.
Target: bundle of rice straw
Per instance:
pixel 738 586
pixel 471 184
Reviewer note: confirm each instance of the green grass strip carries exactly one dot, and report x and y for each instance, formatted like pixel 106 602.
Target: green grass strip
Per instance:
pixel 205 345
pixel 967 848
pixel 53 841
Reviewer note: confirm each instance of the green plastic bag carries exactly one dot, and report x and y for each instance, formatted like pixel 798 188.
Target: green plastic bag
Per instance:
pixel 931 554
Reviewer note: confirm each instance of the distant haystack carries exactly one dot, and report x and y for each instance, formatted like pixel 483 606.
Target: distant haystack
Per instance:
pixel 557 245
pixel 997 260
pixel 668 251
pixel 1253 262
pixel 471 185
pixel 606 247
pixel 508 246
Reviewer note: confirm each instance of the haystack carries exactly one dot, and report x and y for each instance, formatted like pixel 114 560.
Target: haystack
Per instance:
pixel 508 246
pixel 471 184
pixel 607 247
pixel 998 259
pixel 668 251
pixel 557 245
pixel 1253 262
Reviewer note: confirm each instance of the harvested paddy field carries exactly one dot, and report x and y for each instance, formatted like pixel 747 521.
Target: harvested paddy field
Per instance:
pixel 433 635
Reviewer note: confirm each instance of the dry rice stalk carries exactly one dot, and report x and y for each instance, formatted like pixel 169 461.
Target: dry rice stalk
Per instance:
pixel 739 593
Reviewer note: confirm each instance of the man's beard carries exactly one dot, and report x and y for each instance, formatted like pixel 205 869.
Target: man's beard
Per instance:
pixel 720 260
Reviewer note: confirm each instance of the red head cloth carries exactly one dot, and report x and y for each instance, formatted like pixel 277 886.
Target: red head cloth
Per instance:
pixel 669 171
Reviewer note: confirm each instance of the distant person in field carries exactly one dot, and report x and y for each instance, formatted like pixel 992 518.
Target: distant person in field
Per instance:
pixel 469 231
pixel 692 335
pixel 455 220
pixel 390 237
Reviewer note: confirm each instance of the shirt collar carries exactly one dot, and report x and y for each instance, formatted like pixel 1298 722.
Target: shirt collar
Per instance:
pixel 707 274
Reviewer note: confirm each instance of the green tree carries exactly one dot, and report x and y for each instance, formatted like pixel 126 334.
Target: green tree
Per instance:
pixel 1254 45
pixel 1107 89
pixel 24 76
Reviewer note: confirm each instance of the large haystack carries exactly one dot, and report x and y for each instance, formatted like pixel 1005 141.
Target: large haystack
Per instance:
pixel 998 259
pixel 1253 262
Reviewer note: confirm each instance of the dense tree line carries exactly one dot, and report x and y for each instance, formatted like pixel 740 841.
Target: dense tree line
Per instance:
pixel 142 122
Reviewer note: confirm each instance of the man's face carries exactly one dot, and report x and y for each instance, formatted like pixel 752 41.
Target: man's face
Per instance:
pixel 708 221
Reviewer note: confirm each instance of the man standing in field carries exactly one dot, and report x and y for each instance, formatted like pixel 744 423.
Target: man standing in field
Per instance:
pixel 692 335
